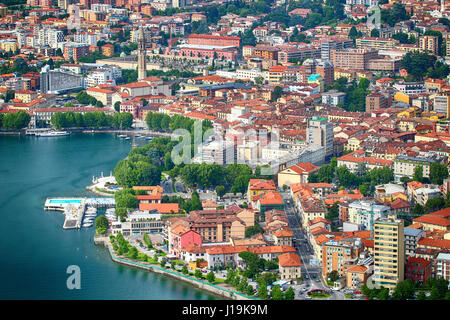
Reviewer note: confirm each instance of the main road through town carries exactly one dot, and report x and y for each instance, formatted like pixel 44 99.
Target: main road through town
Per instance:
pixel 311 272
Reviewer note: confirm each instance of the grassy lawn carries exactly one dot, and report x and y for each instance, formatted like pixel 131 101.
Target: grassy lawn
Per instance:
pixel 319 295
pixel 104 191
pixel 219 280
pixel 348 296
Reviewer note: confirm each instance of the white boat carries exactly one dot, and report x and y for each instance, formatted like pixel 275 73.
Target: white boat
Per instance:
pixel 121 135
pixel 149 138
pixel 87 225
pixel 127 138
pixel 53 134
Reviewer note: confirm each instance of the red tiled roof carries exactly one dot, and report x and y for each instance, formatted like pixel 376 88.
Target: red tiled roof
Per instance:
pixel 162 208
pixel 435 243
pixel 261 184
pixel 289 260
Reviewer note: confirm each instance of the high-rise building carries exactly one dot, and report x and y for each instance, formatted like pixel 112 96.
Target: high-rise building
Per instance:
pixel 326 70
pixel 333 44
pixel 352 59
pixel 376 101
pixel 142 63
pixel 320 132
pixel 389 252
pixel 75 51
pixel 429 44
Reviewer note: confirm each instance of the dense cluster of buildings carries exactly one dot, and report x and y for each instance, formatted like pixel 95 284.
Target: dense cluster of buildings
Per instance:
pixel 270 103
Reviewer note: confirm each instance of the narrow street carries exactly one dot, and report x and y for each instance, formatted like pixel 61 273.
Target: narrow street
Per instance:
pixel 311 273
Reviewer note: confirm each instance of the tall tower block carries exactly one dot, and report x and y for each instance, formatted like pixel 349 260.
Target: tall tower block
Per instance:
pixel 142 62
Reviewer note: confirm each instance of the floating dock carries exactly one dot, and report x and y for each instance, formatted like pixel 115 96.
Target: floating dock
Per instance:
pixel 74 208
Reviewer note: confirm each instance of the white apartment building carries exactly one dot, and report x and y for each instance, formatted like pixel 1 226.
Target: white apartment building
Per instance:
pixel 443 266
pixel 102 76
pixel 86 38
pixel 221 152
pixel 404 166
pixel 366 212
pixel 412 236
pixel 138 223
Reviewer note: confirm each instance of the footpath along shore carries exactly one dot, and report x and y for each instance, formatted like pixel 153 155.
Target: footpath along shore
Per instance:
pixel 204 285
pixel 100 130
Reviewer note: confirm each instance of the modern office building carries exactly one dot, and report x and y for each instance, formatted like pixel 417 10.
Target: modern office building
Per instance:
pixel 389 252
pixel 58 81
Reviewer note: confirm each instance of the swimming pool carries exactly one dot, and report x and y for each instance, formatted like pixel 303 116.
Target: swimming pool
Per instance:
pixel 57 201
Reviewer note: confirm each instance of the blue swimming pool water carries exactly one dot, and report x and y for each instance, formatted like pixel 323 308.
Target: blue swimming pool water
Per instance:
pixel 65 201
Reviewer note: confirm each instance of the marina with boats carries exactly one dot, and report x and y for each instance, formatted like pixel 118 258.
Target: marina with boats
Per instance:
pixel 80 212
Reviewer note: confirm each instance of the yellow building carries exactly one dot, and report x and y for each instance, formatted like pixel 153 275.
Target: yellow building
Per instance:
pixel 3 10
pixel 389 264
pixel 8 45
pixel 400 96
pixel 257 187
pixel 25 95
pixel 317 78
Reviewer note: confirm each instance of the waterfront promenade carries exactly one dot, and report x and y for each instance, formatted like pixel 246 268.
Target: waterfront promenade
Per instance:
pixel 204 285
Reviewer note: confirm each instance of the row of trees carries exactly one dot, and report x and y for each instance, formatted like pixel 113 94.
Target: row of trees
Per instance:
pixel 364 179
pixel 231 178
pixel 422 65
pixel 14 121
pixel 159 121
pixel 186 205
pixel 83 98
pixel 405 290
pixel 95 119
pixel 438 172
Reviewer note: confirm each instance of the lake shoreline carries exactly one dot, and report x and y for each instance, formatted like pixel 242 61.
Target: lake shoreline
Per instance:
pixel 205 286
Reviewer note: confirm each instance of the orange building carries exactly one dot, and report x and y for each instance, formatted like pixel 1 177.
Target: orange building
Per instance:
pixel 108 50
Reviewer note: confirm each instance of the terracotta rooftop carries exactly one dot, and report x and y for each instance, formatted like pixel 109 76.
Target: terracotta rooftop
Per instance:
pixel 289 260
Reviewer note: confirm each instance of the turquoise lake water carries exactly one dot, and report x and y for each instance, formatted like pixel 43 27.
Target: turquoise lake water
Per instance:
pixel 36 251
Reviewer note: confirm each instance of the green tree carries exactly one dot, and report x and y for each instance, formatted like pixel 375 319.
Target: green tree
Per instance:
pixel 404 290
pixel 289 294
pixel 277 92
pixel 383 294
pixel 435 204
pixel 276 293
pixel 421 296
pixel 211 277
pixel 198 274
pixel 353 33
pixel 262 291
pixel 132 253
pixel 184 270
pixel 438 173
pixel 252 230
pixel 375 33
pixel 101 224
pixel 418 174
pixel 333 275
pixel 220 191
pixel 418 210
pixel 125 199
